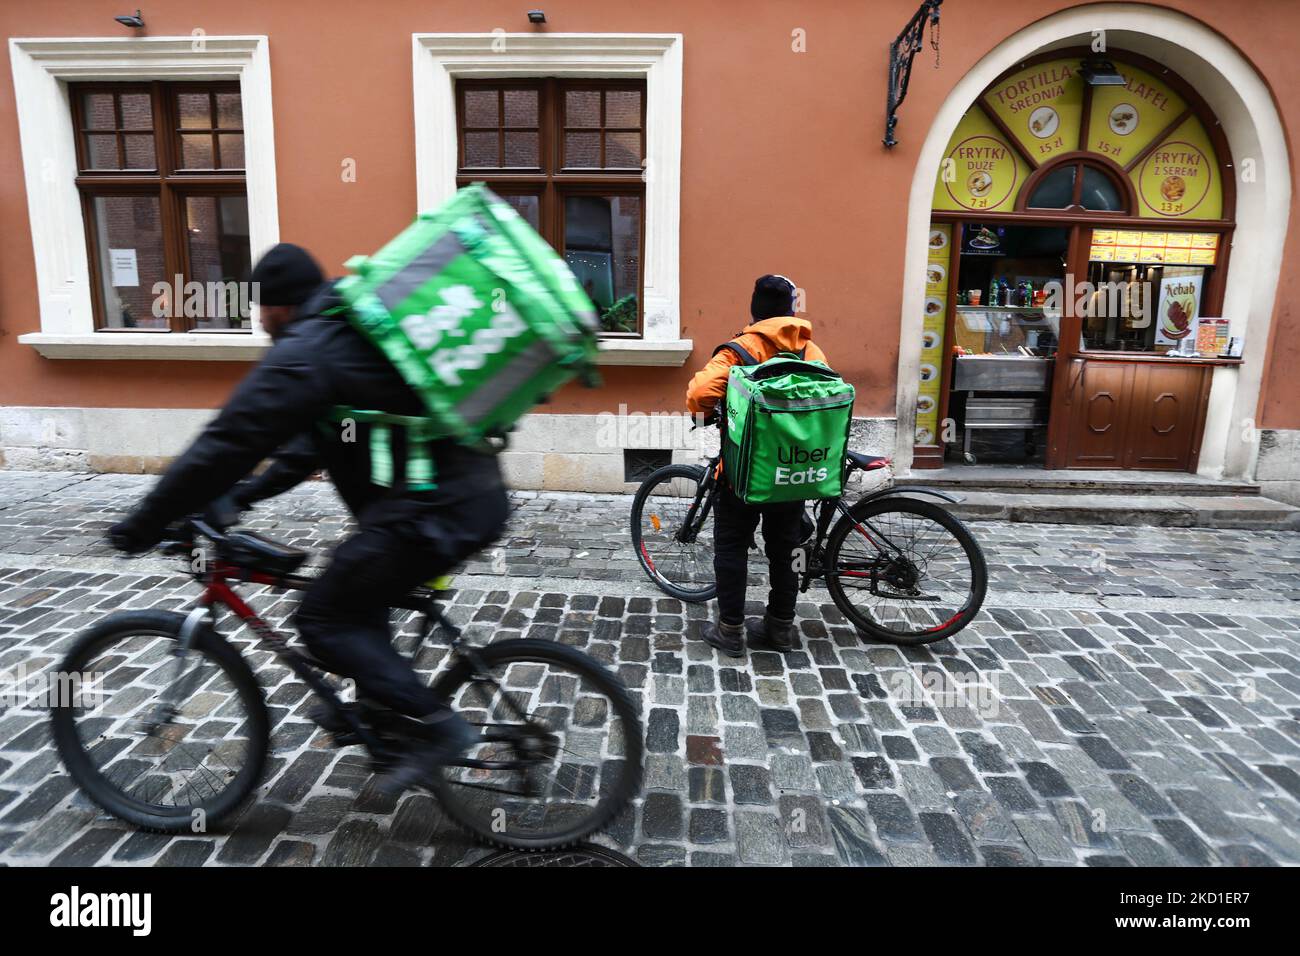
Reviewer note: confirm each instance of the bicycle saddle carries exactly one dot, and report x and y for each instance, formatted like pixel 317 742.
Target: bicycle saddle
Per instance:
pixel 866 462
pixel 249 550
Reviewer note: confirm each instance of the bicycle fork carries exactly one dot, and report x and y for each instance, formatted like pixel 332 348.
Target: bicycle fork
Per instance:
pixel 176 689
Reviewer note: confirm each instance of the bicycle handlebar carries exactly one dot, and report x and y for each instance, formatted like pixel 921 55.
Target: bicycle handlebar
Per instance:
pixel 180 536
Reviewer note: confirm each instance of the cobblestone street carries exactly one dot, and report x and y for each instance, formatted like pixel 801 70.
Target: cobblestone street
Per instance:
pixel 1140 689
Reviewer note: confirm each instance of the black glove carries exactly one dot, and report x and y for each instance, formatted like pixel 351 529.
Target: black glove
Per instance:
pixel 224 511
pixel 134 536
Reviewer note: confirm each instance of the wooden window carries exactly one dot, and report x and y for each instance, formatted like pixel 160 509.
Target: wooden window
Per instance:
pixel 161 177
pixel 1078 185
pixel 568 156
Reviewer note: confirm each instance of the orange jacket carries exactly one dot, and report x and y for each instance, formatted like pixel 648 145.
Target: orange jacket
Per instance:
pixel 761 340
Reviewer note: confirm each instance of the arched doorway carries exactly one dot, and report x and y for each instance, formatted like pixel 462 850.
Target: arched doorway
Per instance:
pixel 1069 181
pixel 1075 310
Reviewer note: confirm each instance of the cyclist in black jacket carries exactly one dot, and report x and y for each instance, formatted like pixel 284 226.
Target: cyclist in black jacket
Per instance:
pixel 318 361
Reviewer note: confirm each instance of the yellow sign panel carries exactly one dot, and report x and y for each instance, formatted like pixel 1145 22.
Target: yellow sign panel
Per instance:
pixel 1125 119
pixel 940 239
pixel 1132 245
pixel 936 304
pixel 1041 106
pixel 936 279
pixel 1038 112
pixel 981 171
pixel 1179 178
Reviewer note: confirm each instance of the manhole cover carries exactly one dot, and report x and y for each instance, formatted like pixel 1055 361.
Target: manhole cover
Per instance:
pixel 573 856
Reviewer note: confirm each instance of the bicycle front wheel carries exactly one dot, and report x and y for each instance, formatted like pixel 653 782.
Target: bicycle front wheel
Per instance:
pixel 165 743
pixel 562 745
pixel 681 568
pixel 905 571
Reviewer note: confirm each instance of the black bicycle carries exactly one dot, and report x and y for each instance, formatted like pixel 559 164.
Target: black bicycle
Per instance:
pixel 901 570
pixel 162 723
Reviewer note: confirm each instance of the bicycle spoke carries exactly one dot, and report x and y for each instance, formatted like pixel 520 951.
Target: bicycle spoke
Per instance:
pixel 664 513
pixel 920 583
pixel 142 734
pixel 564 742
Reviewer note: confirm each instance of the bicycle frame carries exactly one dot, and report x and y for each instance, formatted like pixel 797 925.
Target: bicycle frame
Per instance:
pixel 217 593
pixel 698 512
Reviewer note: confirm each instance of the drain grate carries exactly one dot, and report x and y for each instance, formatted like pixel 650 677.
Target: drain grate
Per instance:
pixel 573 856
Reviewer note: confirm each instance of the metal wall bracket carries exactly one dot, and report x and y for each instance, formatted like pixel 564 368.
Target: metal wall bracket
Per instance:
pixel 901 54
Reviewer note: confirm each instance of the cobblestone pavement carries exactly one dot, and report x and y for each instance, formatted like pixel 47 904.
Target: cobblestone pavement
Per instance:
pixel 1132 697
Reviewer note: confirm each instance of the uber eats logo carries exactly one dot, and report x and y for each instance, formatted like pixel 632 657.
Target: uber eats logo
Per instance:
pixel 793 455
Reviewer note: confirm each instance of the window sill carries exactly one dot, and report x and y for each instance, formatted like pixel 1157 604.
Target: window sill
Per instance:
pixel 238 347
pixel 672 352
pixel 176 346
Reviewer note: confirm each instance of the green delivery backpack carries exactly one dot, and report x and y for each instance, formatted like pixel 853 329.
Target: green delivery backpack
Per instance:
pixel 786 430
pixel 480 317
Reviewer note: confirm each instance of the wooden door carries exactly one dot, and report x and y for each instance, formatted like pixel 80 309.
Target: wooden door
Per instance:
pixel 1141 415
pixel 1099 414
pixel 1165 426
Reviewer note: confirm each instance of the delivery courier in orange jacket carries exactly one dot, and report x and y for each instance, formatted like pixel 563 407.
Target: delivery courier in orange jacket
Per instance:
pixel 775 329
pixel 763 339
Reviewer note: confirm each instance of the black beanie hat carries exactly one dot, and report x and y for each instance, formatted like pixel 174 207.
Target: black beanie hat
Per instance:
pixel 773 296
pixel 286 275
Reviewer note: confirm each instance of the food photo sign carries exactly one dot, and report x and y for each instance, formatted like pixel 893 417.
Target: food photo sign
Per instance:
pixel 1179 301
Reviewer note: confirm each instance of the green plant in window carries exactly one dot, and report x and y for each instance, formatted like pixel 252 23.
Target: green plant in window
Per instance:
pixel 621 316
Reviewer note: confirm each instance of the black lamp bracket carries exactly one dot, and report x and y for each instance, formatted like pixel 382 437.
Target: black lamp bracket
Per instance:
pixel 901 54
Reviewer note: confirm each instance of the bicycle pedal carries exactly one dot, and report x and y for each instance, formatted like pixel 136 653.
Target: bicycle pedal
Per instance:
pixel 332 722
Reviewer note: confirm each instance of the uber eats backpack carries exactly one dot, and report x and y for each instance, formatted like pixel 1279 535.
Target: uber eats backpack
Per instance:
pixel 480 317
pixel 786 430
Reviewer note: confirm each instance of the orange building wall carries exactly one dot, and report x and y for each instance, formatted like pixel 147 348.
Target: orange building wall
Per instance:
pixel 782 166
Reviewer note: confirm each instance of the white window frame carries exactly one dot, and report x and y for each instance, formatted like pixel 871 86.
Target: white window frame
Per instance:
pixel 442 58
pixel 43 68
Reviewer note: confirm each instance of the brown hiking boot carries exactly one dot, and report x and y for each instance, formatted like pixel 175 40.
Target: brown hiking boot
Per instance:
pixel 728 638
pixel 771 631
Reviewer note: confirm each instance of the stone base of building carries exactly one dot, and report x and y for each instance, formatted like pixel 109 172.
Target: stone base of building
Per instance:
pixel 1278 467
pixel 606 452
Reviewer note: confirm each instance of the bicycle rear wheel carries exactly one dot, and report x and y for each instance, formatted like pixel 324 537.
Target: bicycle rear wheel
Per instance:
pixel 163 745
pixel 683 569
pixel 905 571
pixel 562 749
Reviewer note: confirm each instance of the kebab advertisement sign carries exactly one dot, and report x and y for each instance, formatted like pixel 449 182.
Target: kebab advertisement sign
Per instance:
pixel 1180 297
pixel 1042 106
pixel 981 170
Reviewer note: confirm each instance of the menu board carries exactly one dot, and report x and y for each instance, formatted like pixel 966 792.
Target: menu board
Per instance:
pixel 1123 120
pixel 1212 336
pixel 981 170
pixel 1178 177
pixel 1170 248
pixel 1042 106
pixel 936 305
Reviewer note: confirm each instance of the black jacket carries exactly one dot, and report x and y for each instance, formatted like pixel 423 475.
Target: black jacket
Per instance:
pixel 318 363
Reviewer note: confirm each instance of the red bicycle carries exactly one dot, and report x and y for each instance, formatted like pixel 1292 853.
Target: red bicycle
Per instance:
pixel 161 721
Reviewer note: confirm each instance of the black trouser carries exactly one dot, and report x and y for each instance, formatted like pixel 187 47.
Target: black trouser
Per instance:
pixel 733 528
pixel 401 543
